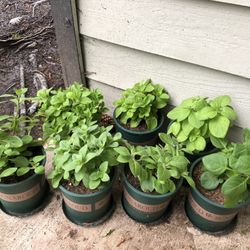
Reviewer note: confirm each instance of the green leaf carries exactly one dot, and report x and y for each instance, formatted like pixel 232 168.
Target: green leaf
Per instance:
pixel 200 143
pixel 233 188
pixel 105 177
pixel 215 163
pixel 217 142
pixel 219 126
pixel 8 172
pixel 209 181
pixel 14 141
pixel 94 184
pixel 174 128
pixel 123 151
pixel 194 121
pixel 38 158
pixel 243 165
pixel 20 161
pixel 206 113
pixel 151 122
pixel 229 113
pixel 220 101
pixel 27 139
pixel 148 184
pixel 39 170
pixel 178 114
pixel 104 166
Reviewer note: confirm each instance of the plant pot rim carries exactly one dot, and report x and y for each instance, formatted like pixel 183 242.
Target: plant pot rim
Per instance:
pixel 77 195
pixel 118 124
pixel 197 192
pixel 179 184
pixel 33 176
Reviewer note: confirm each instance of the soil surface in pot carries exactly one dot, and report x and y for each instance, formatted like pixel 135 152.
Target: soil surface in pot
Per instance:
pixel 142 126
pixel 214 195
pixel 14 178
pixel 80 189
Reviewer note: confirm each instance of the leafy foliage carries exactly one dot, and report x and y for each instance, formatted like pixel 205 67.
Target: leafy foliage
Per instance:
pixel 198 120
pixel 156 167
pixel 16 156
pixel 65 109
pixel 229 168
pixel 141 103
pixel 86 157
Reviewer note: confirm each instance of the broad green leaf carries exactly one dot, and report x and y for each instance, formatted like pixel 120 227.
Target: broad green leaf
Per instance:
pixel 217 142
pixel 8 172
pixel 229 113
pixel 209 181
pixel 194 121
pixel 39 170
pixel 219 126
pixel 148 184
pixel 38 158
pixel 22 171
pixel 20 161
pixel 215 163
pixel 220 101
pixel 243 165
pixel 27 139
pixel 94 184
pixel 206 113
pixel 123 151
pixel 14 141
pixel 178 114
pixel 105 177
pixel 174 128
pixel 200 143
pixel 151 122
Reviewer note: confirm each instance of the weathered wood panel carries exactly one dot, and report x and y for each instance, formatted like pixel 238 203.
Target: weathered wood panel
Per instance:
pixel 237 2
pixel 67 33
pixel 205 33
pixel 121 67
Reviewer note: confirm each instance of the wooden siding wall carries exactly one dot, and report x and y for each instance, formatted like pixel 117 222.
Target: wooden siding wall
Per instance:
pixel 192 47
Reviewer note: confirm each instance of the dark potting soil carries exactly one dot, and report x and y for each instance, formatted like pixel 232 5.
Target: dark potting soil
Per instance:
pixel 80 189
pixel 214 195
pixel 14 178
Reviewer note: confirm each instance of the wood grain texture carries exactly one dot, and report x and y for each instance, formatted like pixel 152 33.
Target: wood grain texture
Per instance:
pixel 67 34
pixel 121 67
pixel 205 33
pixel 236 2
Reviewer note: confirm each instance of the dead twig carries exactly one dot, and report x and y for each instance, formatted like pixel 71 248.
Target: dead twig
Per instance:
pixel 22 105
pixel 123 240
pixel 35 4
pixel 10 87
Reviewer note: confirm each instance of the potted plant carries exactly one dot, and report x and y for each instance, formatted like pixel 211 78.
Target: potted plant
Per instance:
pixel 84 171
pixel 65 109
pixel 22 160
pixel 222 187
pixel 199 124
pixel 138 113
pixel 152 176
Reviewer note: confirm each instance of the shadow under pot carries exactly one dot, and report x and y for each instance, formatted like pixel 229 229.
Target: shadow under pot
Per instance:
pixel 207 215
pixel 146 207
pixel 23 197
pixel 140 137
pixel 88 209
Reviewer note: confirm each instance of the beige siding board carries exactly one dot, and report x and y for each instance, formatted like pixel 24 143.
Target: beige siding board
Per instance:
pixel 112 93
pixel 205 33
pixel 236 2
pixel 121 67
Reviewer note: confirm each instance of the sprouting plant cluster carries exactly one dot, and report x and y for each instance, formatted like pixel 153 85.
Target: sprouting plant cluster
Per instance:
pixel 197 120
pixel 156 167
pixel 229 168
pixel 86 157
pixel 65 109
pixel 141 104
pixel 16 158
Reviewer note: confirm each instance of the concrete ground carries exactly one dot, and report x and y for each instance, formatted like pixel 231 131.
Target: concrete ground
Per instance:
pixel 49 229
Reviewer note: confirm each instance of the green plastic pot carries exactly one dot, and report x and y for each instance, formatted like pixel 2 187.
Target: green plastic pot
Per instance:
pixel 25 196
pixel 208 215
pixel 145 207
pixel 148 137
pixel 88 208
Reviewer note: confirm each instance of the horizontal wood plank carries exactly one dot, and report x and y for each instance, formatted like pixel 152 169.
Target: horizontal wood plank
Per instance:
pixel 121 67
pixel 201 32
pixel 236 2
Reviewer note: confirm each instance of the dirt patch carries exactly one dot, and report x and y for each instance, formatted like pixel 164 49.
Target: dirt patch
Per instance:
pixel 214 195
pixel 30 35
pixel 80 189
